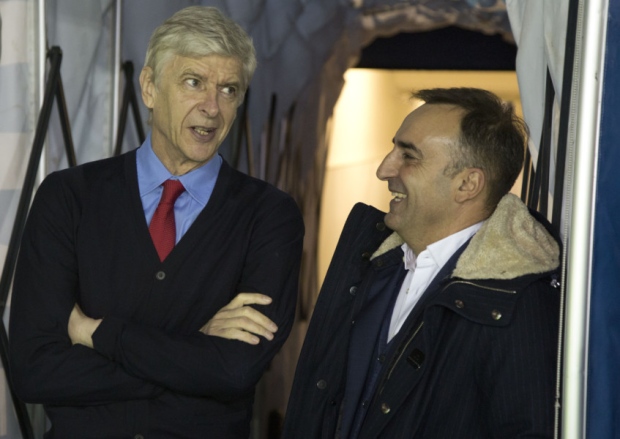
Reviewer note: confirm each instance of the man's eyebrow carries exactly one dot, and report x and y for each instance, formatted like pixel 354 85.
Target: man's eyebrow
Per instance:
pixel 407 145
pixel 227 83
pixel 232 82
pixel 191 72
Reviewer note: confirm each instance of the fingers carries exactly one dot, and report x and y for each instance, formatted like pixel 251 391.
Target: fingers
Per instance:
pixel 74 327
pixel 243 299
pixel 238 321
pixel 81 327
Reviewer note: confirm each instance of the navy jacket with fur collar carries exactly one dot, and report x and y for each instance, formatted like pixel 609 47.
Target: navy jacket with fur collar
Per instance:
pixel 476 357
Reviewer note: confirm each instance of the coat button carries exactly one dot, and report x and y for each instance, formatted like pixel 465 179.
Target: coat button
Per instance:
pixel 385 409
pixel 366 256
pixel 380 227
pixel 496 314
pixel 459 304
pixel 321 384
pixel 353 290
pixel 160 275
pixel 138 436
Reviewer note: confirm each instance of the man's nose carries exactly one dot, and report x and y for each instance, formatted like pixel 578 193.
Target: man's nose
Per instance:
pixel 388 167
pixel 209 103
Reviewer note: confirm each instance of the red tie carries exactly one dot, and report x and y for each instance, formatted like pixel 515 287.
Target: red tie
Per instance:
pixel 162 227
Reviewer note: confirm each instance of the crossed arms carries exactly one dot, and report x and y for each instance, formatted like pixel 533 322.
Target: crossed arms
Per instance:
pixel 235 321
pixel 81 334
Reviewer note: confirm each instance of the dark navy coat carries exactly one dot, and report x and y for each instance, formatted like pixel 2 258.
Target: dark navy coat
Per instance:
pixel 475 359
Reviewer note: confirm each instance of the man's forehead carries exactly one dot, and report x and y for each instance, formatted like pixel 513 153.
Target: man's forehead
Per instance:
pixel 225 66
pixel 429 123
pixel 438 119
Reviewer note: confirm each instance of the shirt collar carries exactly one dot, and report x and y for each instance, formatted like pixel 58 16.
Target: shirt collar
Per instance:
pixel 441 251
pixel 152 173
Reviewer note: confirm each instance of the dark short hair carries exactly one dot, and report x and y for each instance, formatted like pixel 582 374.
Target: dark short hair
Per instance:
pixel 493 138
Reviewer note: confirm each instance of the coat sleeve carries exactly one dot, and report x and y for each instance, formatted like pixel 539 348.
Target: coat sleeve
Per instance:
pixel 214 367
pixel 45 367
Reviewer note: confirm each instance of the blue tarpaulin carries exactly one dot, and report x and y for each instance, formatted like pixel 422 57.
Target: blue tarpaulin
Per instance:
pixel 603 384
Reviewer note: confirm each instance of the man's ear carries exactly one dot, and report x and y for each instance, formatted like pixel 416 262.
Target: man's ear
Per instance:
pixel 471 182
pixel 147 86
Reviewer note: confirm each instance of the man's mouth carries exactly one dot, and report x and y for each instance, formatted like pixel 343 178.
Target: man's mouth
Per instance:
pixel 203 131
pixel 398 196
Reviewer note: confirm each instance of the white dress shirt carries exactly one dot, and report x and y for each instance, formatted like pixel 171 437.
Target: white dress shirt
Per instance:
pixel 420 272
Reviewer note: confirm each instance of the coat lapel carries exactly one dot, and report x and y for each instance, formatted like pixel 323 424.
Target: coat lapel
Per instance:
pixel 364 335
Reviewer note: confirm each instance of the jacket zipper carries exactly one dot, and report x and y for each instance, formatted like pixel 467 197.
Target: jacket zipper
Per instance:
pixel 500 290
pixel 401 354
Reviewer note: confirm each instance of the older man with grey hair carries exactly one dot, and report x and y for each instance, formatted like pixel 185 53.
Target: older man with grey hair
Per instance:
pixel 153 289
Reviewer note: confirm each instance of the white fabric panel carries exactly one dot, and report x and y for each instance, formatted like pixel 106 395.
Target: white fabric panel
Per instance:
pixel 539 29
pixel 14 14
pixel 84 32
pixel 17 115
pixel 17 110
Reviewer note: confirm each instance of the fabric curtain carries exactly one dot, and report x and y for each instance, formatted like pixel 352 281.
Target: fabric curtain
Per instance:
pixel 539 29
pixel 18 110
pixel 83 32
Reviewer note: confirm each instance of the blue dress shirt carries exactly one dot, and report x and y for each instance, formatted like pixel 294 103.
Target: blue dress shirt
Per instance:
pixel 198 185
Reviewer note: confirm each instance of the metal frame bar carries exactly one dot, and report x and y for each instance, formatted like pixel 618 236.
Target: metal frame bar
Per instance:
pixel 527 169
pixel 129 99
pixel 53 90
pixel 535 186
pixel 567 78
pixel 587 88
pixel 545 153
pixel 566 110
pixel 41 62
pixel 243 127
pixel 116 72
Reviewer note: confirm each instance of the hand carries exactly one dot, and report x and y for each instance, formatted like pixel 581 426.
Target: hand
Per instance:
pixel 81 327
pixel 237 321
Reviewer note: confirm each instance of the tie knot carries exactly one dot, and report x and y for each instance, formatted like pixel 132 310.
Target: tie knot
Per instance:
pixel 172 190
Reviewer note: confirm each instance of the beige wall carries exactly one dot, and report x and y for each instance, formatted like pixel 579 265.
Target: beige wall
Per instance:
pixel 369 111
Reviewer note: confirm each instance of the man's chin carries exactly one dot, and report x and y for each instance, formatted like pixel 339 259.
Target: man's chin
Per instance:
pixel 390 221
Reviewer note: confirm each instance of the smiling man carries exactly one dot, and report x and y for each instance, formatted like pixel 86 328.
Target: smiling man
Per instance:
pixel 439 318
pixel 153 289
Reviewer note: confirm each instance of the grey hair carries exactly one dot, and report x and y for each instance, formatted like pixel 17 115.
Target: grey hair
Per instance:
pixel 199 31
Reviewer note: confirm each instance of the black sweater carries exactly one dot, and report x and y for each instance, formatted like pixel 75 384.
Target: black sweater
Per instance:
pixel 151 371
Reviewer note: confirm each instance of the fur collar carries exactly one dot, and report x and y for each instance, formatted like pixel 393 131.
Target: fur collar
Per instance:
pixel 510 244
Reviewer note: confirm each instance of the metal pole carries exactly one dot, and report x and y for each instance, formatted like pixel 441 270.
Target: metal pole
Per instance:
pixel 589 61
pixel 116 74
pixel 41 62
